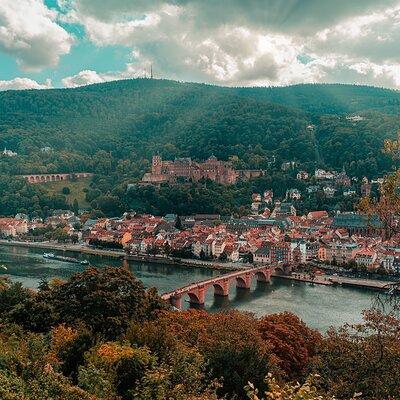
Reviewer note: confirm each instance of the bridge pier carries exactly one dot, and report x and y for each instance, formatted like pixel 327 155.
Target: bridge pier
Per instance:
pixel 176 301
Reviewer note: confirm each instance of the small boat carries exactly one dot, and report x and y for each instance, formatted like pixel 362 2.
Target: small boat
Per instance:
pixel 52 256
pixel 85 262
pixel 3 267
pixel 48 255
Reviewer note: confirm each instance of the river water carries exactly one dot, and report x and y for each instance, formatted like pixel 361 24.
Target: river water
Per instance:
pixel 319 306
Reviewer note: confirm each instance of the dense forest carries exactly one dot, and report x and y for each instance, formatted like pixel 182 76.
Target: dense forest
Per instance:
pixel 112 129
pixel 102 336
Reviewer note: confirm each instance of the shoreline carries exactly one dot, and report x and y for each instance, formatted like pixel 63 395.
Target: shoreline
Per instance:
pixel 128 257
pixel 326 280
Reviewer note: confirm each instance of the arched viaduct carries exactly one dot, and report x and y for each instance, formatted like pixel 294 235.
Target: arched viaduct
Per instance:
pixel 41 178
pixel 197 291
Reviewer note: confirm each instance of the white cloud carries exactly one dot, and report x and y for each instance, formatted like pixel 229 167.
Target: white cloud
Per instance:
pixel 23 83
pixel 262 42
pixel 89 77
pixel 29 32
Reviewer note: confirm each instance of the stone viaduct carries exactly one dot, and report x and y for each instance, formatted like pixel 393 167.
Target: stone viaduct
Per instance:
pixel 197 291
pixel 40 178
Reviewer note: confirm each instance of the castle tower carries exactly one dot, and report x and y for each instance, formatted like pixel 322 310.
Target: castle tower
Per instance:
pixel 156 165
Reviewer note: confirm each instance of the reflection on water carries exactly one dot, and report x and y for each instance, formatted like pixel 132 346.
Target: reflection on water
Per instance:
pixel 319 306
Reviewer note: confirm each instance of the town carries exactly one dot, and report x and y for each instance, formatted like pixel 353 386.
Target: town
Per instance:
pixel 346 240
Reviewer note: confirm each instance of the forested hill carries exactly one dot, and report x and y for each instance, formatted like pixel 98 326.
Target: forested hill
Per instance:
pixel 329 98
pixel 135 118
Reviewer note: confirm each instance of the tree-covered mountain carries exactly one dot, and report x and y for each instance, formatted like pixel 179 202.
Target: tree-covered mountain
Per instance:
pixel 135 118
pixel 113 129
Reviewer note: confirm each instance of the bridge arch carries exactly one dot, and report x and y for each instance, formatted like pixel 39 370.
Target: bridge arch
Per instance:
pixel 262 276
pixel 242 282
pixel 193 298
pixel 221 289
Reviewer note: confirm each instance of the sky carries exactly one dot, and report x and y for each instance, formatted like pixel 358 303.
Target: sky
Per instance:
pixel 68 43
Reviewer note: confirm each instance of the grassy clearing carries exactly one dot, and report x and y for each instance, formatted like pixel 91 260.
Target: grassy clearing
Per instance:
pixel 76 190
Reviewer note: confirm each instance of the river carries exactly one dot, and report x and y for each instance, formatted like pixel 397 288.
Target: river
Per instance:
pixel 319 306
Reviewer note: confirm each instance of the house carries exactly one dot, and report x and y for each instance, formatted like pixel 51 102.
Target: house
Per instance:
pixel 365 188
pixel 283 209
pixel 288 165
pixel 321 254
pixel 299 250
pixel 365 257
pixel 12 227
pixel 340 252
pixel 293 194
pixel 349 192
pixel 302 175
pixel 232 252
pixel 322 174
pixel 280 252
pixel 354 118
pixel 21 216
pixel 202 246
pixel 146 244
pixel 268 196
pixel 64 214
pixel 263 255
pixel 297 255
pixel 329 191
pixel 342 179
pixel 217 247
pixel 256 197
pixel 171 218
pixel 312 189
pixel 315 215
pixel 9 153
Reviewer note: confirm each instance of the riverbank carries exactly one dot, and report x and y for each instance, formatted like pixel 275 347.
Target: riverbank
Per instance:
pixel 319 280
pixel 326 280
pixel 119 254
pixel 329 280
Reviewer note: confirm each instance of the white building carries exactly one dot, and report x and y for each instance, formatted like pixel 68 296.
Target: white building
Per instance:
pixel 322 174
pixel 9 153
pixel 293 194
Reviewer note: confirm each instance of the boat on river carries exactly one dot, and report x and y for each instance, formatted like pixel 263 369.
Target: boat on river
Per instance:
pixel 52 256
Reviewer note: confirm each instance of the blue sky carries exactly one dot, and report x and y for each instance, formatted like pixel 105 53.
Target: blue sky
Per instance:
pixel 67 43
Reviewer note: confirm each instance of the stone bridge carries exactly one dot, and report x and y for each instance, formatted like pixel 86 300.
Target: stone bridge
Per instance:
pixel 197 291
pixel 40 178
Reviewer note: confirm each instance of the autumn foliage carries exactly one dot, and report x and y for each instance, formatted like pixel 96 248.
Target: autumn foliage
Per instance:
pixel 293 344
pixel 103 336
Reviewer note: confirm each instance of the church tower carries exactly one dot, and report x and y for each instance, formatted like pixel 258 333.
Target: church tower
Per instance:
pixel 156 165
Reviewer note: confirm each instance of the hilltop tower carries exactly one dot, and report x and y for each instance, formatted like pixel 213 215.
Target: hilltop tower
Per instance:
pixel 156 165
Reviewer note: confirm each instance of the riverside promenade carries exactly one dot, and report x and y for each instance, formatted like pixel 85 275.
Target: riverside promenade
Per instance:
pixel 120 254
pixel 326 280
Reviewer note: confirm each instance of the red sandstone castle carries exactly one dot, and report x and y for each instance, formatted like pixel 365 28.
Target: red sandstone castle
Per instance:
pixel 185 168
